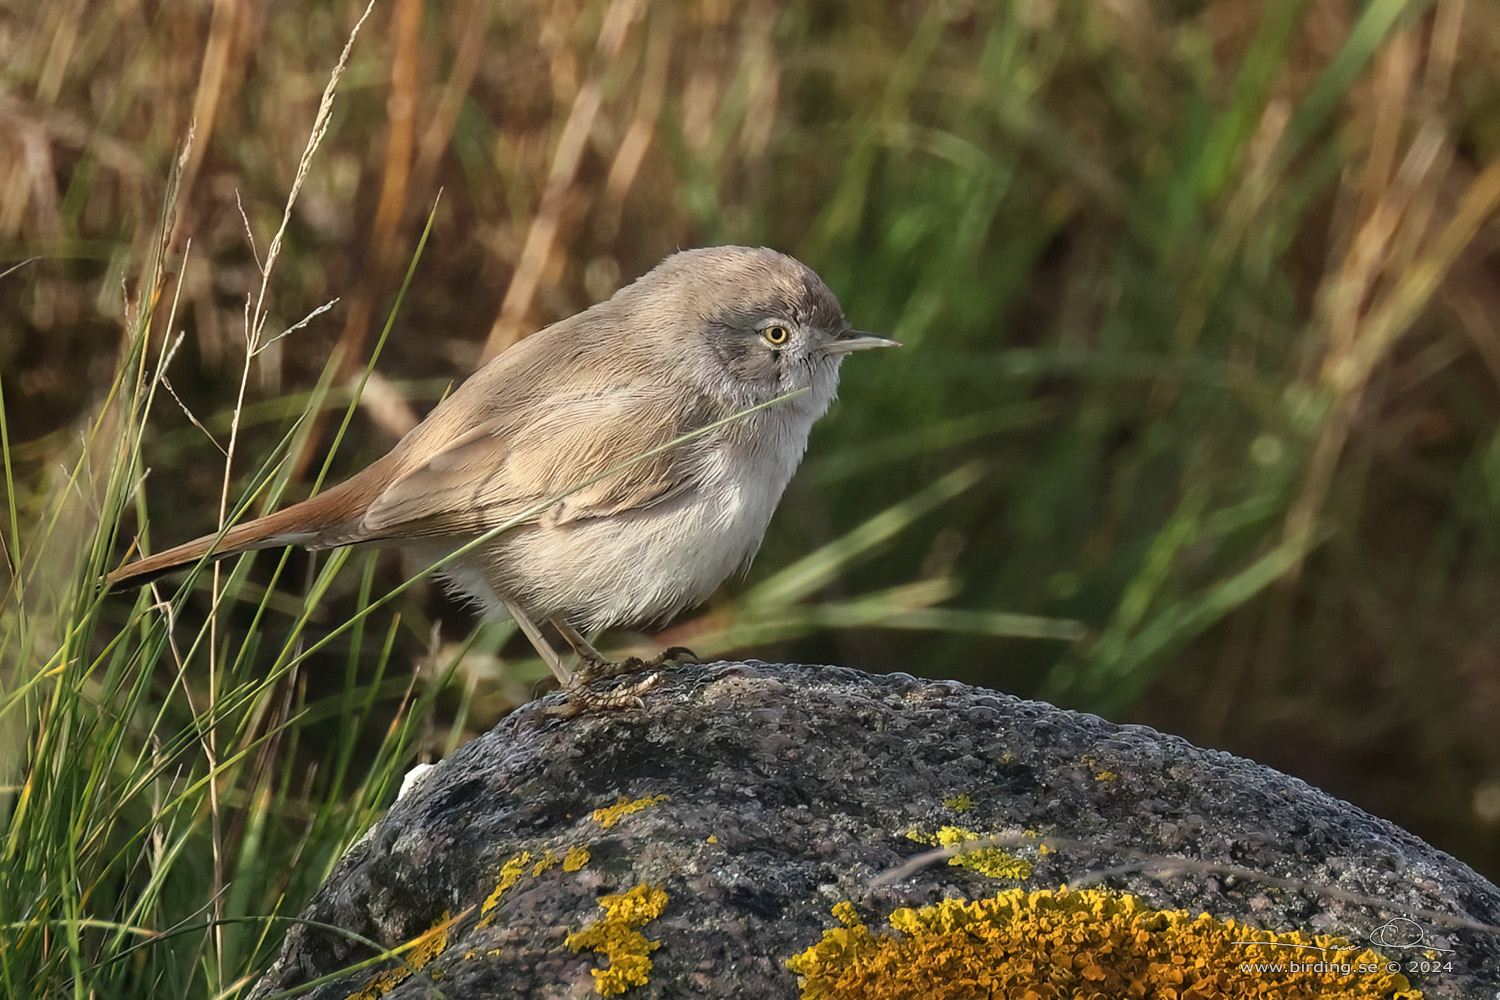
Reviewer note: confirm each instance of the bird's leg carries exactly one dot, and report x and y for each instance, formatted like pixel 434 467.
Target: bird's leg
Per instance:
pixel 595 667
pixel 592 659
pixel 574 685
pixel 564 676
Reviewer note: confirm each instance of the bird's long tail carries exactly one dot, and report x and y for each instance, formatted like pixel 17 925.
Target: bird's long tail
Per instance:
pixel 303 523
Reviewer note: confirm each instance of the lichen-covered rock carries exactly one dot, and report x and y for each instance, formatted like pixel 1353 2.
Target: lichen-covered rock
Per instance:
pixel 753 815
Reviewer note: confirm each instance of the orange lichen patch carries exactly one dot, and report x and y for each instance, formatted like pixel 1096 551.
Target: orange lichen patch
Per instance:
pixel 627 950
pixel 610 815
pixel 959 803
pixel 426 947
pixel 991 861
pixel 1065 944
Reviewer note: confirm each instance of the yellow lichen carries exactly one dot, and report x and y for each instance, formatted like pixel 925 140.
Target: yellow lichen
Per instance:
pixel 510 874
pixel 959 803
pixel 626 949
pixel 1091 762
pixel 610 815
pixel 381 984
pixel 431 944
pixel 991 861
pixel 847 914
pixel 1088 943
pixel 713 838
pixel 1041 849
pixel 427 947
pixel 514 870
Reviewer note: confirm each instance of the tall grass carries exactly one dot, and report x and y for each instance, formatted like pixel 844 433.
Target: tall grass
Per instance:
pixel 163 811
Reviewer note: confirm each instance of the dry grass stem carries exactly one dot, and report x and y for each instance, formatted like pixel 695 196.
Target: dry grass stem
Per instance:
pixel 541 235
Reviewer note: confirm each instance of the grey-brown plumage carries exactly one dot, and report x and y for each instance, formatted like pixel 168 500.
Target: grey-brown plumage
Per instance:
pixel 703 336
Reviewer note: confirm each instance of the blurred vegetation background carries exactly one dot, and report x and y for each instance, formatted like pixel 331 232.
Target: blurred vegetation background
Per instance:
pixel 1195 424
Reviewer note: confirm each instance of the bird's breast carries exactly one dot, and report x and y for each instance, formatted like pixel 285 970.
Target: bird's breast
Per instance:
pixel 641 566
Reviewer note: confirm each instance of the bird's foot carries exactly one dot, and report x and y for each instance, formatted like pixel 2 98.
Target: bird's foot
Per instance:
pixel 581 698
pixel 603 670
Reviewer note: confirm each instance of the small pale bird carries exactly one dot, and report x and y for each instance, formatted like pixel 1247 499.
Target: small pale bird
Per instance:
pixel 575 429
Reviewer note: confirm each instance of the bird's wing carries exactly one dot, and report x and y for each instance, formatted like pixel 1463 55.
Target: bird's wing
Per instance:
pixel 593 454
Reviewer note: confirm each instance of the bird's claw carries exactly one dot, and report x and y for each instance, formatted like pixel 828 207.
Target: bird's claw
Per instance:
pixel 581 698
pixel 603 670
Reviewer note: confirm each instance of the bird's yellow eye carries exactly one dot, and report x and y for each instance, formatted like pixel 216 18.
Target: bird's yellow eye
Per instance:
pixel 776 335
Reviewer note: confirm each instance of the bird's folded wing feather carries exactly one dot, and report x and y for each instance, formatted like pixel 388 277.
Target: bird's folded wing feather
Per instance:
pixel 591 455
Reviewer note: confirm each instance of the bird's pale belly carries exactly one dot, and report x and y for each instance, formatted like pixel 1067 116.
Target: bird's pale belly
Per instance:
pixel 635 567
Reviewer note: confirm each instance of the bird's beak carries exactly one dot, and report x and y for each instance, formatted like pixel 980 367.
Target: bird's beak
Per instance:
pixel 854 340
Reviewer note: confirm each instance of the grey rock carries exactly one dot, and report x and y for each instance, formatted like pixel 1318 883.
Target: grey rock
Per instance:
pixel 789 789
